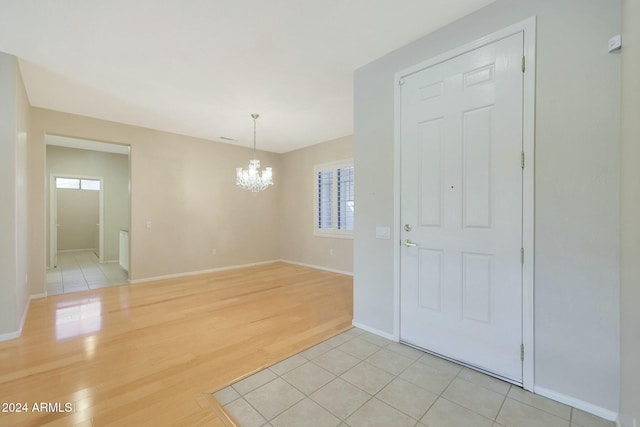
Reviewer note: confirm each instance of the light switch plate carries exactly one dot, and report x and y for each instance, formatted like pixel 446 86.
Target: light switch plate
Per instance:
pixel 615 43
pixel 383 233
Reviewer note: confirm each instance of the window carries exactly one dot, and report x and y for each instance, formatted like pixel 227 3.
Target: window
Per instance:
pixel 78 184
pixel 334 199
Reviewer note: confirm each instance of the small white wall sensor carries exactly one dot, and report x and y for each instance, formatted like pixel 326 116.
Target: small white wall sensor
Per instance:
pixel 615 43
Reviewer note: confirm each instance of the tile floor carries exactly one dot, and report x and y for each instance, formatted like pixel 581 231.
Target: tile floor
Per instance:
pixel 81 271
pixel 360 379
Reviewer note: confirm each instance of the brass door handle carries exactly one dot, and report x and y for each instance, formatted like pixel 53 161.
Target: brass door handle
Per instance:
pixel 408 243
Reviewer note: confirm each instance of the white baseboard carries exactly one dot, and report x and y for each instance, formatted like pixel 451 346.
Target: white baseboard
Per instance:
pixel 9 336
pixel 374 331
pixel 577 403
pixel 65 251
pixel 16 334
pixel 317 267
pixel 196 273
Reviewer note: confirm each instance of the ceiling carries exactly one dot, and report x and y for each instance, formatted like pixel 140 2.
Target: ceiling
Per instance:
pixel 201 67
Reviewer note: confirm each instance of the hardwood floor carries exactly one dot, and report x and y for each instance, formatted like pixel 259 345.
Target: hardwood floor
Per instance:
pixel 151 353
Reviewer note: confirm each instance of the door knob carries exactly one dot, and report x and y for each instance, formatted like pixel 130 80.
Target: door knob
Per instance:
pixel 408 243
pixel 407 227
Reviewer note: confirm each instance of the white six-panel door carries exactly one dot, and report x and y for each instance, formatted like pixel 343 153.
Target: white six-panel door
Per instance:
pixel 461 205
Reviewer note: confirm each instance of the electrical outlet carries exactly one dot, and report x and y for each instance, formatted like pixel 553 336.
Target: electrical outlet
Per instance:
pixel 148 224
pixel 214 252
pixel 330 251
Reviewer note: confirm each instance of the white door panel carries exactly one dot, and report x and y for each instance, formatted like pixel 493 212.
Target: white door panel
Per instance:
pixel 461 179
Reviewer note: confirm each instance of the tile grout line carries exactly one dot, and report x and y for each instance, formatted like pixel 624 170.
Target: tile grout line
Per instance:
pixel 495 419
pixel 571 408
pixel 340 376
pixel 394 377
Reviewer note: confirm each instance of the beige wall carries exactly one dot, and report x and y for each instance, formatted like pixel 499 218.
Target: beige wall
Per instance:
pixel 78 216
pixel 114 170
pixel 297 242
pixel 630 215
pixel 186 188
pixel 577 245
pixel 8 173
pixel 23 185
pixel 15 273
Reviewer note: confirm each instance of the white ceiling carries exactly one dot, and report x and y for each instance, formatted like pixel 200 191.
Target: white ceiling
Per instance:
pixel 201 67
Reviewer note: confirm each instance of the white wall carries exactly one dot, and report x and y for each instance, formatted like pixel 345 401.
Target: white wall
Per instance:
pixel 23 184
pixel 576 188
pixel 297 241
pixel 630 210
pixel 14 210
pixel 8 194
pixel 78 215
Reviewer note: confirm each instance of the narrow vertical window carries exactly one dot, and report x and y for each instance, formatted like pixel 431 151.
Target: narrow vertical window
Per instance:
pixel 345 198
pixel 334 199
pixel 325 200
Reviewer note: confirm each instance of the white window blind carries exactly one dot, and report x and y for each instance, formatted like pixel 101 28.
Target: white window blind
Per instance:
pixel 345 198
pixel 325 199
pixel 334 199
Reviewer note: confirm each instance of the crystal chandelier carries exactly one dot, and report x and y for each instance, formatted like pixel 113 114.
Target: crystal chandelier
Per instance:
pixel 252 179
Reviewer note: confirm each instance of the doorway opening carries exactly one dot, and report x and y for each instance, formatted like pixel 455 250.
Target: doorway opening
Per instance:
pixel 89 210
pixel 76 216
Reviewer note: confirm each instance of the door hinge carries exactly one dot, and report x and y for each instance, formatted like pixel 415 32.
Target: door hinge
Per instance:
pixel 522 352
pixel 523 64
pixel 522 160
pixel 522 256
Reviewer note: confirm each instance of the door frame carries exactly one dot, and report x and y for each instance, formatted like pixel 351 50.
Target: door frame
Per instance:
pixel 528 28
pixel 53 210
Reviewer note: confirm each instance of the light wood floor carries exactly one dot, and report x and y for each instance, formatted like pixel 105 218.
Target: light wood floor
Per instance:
pixel 150 354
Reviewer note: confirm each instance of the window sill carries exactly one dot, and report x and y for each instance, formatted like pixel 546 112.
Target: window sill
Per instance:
pixel 334 235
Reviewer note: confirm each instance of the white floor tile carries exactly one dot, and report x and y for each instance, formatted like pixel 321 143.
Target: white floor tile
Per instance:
pixel 472 396
pixel 273 398
pixel 340 398
pixel 395 386
pixel 81 271
pixel 445 413
pixel 308 377
pixel 376 413
pixel 305 413
pixel 514 413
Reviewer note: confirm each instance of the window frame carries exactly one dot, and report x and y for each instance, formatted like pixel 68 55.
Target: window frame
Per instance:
pixel 333 232
pixel 80 181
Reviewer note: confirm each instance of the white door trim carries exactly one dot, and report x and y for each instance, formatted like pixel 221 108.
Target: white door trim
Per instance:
pixel 528 27
pixel 53 206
